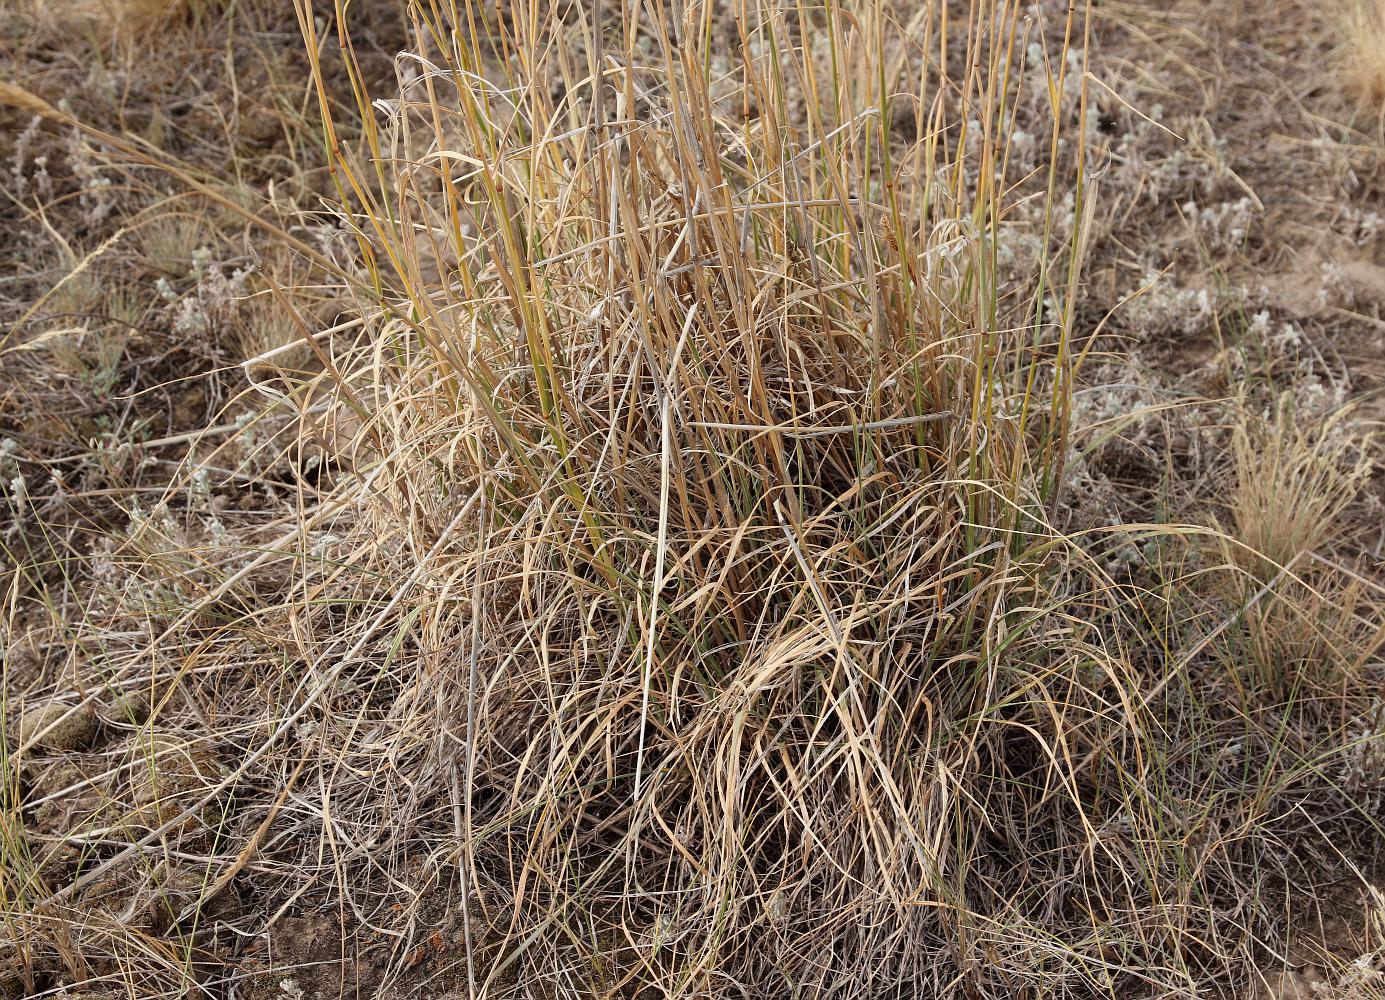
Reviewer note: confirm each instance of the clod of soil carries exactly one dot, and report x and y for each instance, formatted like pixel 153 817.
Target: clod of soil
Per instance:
pixel 67 796
pixel 12 981
pixel 22 666
pixel 130 707
pixel 1292 985
pixel 304 957
pixel 169 773
pixel 58 727
pixel 149 898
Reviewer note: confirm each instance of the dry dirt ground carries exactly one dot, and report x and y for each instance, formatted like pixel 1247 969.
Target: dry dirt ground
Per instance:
pixel 1239 240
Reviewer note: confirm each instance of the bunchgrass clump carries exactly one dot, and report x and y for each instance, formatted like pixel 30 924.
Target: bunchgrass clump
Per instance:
pixel 732 449
pixel 1364 32
pixel 692 525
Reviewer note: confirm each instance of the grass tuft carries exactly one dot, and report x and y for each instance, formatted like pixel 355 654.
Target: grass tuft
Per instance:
pixel 1365 33
pixel 677 500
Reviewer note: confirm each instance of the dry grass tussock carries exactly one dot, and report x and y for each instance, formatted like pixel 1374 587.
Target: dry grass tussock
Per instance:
pixel 1365 34
pixel 684 570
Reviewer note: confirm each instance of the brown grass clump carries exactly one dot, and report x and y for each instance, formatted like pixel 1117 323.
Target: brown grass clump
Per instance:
pixel 667 514
pixel 128 18
pixel 1295 476
pixel 1365 46
pixel 722 431
pixel 730 446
